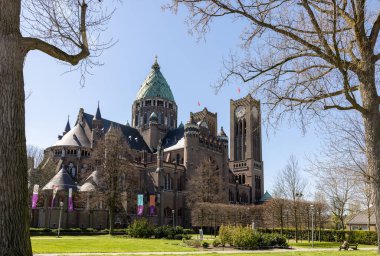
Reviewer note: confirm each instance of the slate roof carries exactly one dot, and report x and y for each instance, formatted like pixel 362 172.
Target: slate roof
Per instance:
pixel 362 218
pixel 180 144
pixel 155 85
pixel 173 136
pixel 91 183
pixel 75 137
pixel 63 180
pixel 135 140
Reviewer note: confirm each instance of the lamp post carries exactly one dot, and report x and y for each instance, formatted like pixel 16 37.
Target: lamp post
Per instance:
pixel 173 218
pixel 60 216
pixel 312 225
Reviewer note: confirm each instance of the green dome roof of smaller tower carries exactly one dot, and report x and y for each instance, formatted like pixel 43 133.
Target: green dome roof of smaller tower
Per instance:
pixel 155 85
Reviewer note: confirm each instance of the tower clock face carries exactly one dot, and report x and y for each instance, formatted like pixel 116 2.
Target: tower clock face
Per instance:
pixel 240 111
pixel 255 112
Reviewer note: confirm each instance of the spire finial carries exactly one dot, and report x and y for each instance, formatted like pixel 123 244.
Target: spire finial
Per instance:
pixel 155 64
pixel 68 127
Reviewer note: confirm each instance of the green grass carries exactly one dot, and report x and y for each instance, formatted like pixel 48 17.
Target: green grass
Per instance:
pixel 317 244
pixel 311 253
pixel 117 244
pixel 71 244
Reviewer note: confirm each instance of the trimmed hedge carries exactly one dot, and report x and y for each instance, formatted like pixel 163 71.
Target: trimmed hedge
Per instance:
pixel 355 236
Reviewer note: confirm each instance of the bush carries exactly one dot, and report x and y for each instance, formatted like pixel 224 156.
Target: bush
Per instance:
pixel 192 243
pixel 225 235
pixel 205 244
pixel 141 228
pixel 216 242
pixel 170 233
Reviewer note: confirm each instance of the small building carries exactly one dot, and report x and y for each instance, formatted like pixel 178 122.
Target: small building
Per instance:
pixel 360 221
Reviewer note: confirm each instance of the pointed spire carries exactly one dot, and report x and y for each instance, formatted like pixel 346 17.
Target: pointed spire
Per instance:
pixel 98 116
pixel 155 65
pixel 68 127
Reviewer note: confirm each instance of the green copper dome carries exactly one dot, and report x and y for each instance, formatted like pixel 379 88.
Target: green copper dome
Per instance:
pixel 155 85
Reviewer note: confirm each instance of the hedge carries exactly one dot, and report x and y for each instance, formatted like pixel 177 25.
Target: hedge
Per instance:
pixel 354 236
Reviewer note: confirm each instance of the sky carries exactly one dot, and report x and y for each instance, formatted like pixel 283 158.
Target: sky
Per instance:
pixel 191 66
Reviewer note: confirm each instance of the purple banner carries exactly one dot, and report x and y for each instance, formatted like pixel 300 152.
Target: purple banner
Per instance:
pixel 35 196
pixel 71 206
pixel 140 210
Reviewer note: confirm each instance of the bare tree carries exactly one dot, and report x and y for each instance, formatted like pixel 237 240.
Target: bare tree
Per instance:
pixel 65 30
pixel 338 190
pixel 36 154
pixel 344 154
pixel 117 173
pixel 315 55
pixel 205 184
pixel 292 185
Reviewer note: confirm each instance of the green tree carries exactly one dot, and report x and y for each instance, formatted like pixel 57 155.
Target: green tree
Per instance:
pixel 60 29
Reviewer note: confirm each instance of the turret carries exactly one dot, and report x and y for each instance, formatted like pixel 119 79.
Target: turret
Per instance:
pixel 191 140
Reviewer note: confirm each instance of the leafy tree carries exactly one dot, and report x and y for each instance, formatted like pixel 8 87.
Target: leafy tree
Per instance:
pixel 315 56
pixel 61 29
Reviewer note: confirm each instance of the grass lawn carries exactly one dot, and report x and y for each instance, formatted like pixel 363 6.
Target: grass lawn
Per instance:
pixel 317 244
pixel 70 244
pixel 309 253
pixel 105 243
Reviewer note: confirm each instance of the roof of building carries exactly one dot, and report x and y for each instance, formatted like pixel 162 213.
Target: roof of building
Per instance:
pixel 155 85
pixel 180 144
pixel 362 218
pixel 265 197
pixel 63 180
pixel 132 135
pixel 75 137
pixel 173 137
pixel 91 183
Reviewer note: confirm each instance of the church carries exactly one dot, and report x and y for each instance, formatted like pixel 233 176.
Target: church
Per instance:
pixel 166 157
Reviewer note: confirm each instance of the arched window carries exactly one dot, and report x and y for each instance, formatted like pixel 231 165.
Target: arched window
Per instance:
pixel 168 182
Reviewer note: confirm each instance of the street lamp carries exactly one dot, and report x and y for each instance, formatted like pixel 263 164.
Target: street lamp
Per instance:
pixel 173 218
pixel 60 216
pixel 312 224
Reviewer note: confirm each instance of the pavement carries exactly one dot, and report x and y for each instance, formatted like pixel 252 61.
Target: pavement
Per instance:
pixel 198 252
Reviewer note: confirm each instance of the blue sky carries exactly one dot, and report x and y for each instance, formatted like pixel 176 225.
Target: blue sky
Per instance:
pixel 190 66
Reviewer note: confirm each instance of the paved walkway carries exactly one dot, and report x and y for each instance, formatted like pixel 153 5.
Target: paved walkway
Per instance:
pixel 199 252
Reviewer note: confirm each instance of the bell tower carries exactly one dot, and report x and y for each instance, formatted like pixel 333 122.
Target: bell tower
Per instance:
pixel 246 149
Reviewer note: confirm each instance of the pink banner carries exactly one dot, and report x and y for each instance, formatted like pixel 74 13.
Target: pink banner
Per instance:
pixel 35 196
pixel 71 206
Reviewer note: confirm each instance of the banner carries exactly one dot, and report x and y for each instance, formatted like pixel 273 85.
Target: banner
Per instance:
pixel 71 207
pixel 35 196
pixel 55 190
pixel 140 204
pixel 152 205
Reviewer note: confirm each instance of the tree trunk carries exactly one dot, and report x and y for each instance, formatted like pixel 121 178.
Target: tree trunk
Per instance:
pixel 371 121
pixel 14 218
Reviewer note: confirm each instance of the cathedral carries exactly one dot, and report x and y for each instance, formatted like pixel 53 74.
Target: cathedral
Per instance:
pixel 166 154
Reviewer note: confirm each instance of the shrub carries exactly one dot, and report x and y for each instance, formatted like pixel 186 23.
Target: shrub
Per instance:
pixel 141 228
pixel 205 244
pixel 225 235
pixel 216 242
pixel 192 243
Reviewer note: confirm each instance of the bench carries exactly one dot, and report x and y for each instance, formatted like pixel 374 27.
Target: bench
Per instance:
pixel 349 246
